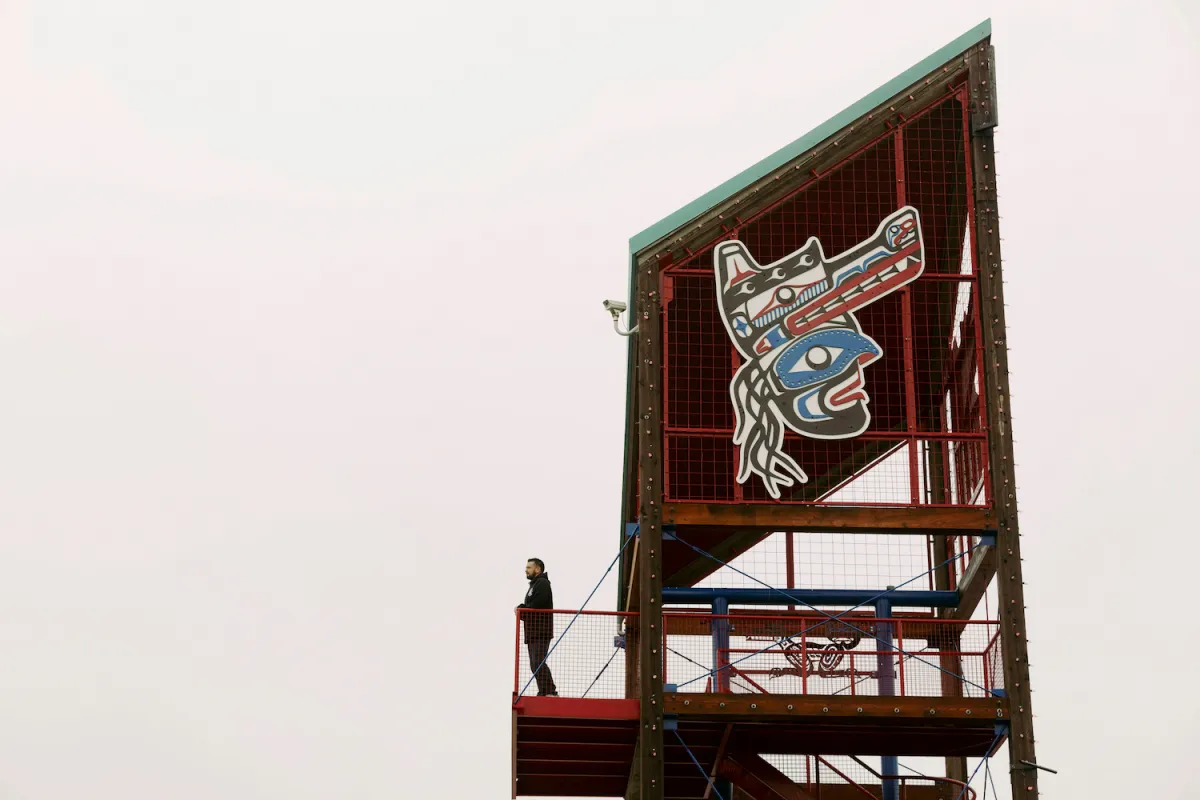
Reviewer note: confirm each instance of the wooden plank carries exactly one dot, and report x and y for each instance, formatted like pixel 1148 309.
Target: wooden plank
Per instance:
pixel 760 780
pixel 700 567
pixel 982 82
pixel 576 708
pixel 719 757
pixel 763 518
pixel 775 707
pixel 974 583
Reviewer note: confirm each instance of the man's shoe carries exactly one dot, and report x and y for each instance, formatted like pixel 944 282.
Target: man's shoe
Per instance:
pixel 552 694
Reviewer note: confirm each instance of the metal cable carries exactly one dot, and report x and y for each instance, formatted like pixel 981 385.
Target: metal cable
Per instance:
pixel 986 758
pixel 697 763
pixel 601 672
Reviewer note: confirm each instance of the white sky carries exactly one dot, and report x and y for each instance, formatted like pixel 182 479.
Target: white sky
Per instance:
pixel 303 353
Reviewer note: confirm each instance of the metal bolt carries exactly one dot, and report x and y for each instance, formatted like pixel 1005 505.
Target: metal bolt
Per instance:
pixel 687 702
pixel 860 709
pixel 789 708
pixel 754 705
pixel 722 705
pixel 825 709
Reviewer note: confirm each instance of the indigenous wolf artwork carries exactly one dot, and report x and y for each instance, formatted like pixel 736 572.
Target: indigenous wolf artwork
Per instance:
pixel 793 322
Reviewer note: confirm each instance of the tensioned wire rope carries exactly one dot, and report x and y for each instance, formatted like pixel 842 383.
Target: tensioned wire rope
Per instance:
pixel 838 616
pixel 697 763
pixel 986 759
pixel 563 635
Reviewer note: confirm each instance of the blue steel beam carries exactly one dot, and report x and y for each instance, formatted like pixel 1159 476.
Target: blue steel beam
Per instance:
pixel 816 597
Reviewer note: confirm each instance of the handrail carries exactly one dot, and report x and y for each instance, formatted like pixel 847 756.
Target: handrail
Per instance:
pixel 747 645
pixel 585 612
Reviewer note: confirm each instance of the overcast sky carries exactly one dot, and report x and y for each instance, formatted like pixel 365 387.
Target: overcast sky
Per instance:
pixel 303 355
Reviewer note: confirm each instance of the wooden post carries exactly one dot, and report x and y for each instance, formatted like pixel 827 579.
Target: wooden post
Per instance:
pixel 981 60
pixel 648 572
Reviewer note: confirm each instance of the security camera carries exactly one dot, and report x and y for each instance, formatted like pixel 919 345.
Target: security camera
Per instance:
pixel 616 308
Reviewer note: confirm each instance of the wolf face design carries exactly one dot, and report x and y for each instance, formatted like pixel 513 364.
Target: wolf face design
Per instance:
pixel 793 322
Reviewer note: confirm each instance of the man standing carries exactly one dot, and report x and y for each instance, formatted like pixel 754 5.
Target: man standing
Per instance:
pixel 539 627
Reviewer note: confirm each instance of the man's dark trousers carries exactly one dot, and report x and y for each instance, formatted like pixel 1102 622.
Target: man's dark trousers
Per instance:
pixel 539 629
pixel 538 647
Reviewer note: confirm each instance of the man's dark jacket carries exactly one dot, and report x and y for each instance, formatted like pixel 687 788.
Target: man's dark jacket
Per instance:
pixel 540 595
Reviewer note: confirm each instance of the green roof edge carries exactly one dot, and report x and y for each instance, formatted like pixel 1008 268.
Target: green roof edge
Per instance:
pixel 814 137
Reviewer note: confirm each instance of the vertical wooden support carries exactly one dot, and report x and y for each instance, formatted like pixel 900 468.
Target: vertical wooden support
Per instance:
pixel 650 751
pixel 1000 445
pixel 943 577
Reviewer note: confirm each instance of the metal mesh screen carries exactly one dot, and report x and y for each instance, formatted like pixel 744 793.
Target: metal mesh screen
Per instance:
pixel 585 658
pixel 926 441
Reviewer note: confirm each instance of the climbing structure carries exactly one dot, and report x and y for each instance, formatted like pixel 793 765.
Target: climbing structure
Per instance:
pixel 820 572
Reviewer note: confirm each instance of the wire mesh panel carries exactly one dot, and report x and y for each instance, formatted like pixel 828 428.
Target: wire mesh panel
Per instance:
pixel 828 561
pixel 796 654
pixel 925 443
pixel 574 656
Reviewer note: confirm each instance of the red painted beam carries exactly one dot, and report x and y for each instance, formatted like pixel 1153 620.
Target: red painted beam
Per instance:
pixel 574 708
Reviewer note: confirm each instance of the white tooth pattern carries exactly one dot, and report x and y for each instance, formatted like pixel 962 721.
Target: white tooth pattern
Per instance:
pixel 805 296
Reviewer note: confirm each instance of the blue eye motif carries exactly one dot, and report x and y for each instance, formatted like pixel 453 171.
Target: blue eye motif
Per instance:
pixel 822 355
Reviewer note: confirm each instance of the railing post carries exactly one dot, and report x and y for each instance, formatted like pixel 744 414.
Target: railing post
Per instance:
pixel 517 655
pixel 720 634
pixel 803 659
pixel 987 682
pixel 887 686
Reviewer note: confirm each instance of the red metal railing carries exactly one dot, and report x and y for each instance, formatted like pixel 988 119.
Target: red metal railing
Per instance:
pixel 912 656
pixel 586 660
pixel 805 654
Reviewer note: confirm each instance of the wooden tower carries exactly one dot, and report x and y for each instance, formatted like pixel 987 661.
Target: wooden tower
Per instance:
pixel 820 557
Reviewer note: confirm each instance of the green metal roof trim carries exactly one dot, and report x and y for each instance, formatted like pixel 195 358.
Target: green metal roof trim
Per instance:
pixel 809 140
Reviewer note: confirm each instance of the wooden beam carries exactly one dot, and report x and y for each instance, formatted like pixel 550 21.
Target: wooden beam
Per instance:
pixel 648 418
pixel 767 518
pixel 633 787
pixel 729 548
pixel 753 775
pixel 776 707
pixel 974 583
pixel 998 402
pixel 720 757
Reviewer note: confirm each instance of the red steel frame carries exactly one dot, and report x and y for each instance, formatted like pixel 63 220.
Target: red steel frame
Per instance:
pixel 911 437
